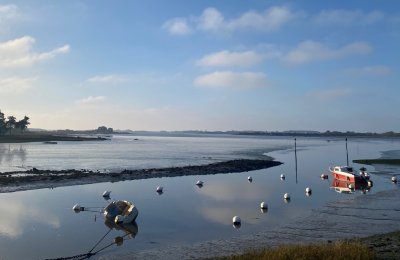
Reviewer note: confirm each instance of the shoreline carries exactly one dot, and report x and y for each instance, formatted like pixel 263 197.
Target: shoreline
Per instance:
pixel 38 179
pixel 28 138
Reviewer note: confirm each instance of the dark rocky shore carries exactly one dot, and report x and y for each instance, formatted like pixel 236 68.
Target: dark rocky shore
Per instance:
pixel 27 138
pixel 36 178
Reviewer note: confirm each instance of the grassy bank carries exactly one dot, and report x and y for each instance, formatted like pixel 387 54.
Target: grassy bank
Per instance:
pixel 339 250
pixel 384 246
pixel 378 161
pixel 27 138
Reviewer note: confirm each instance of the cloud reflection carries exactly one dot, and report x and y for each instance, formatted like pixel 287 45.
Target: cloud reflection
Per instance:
pixel 17 215
pixel 230 199
pixel 228 192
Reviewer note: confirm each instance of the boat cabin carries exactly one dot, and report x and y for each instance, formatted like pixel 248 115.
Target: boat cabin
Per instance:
pixel 343 169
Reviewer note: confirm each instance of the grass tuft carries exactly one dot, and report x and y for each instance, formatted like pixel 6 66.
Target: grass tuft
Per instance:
pixel 338 251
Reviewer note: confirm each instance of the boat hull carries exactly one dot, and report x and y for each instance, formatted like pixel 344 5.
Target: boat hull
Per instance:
pixel 347 176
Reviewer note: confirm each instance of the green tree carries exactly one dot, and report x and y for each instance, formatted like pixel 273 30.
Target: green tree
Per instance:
pixel 22 124
pixel 2 123
pixel 10 124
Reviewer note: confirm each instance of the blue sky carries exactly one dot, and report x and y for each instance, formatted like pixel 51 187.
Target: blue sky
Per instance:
pixel 202 65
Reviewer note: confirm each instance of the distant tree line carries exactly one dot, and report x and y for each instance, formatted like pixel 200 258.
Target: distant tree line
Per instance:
pixel 8 124
pixel 318 134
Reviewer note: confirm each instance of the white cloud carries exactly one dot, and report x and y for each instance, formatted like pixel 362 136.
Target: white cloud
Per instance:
pixel 378 70
pixel 107 79
pixel 15 85
pixel 18 53
pixel 7 13
pixel 348 17
pixel 177 26
pixel 229 79
pixel 212 19
pixel 228 58
pixel 310 51
pixel 271 19
pixel 329 94
pixel 91 100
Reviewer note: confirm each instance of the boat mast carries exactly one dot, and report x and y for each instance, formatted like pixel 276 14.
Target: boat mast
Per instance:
pixel 347 153
pixel 295 156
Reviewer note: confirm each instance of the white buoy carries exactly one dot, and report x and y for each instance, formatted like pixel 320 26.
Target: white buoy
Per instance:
pixel 351 186
pixel 236 220
pixel 199 183
pixel 264 205
pixel 77 208
pixel 250 179
pixel 159 189
pixel 370 183
pixel 324 176
pixel 308 190
pixel 286 196
pixel 106 193
pixel 282 176
pixel 394 179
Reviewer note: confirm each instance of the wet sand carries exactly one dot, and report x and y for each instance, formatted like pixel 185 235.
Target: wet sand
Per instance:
pixel 37 179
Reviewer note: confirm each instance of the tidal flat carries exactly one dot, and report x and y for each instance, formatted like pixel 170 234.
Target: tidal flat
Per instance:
pixel 187 221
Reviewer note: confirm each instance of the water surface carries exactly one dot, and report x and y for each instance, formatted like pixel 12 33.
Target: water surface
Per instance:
pixel 42 224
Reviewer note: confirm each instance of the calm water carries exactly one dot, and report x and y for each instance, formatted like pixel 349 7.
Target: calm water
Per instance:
pixel 123 152
pixel 40 224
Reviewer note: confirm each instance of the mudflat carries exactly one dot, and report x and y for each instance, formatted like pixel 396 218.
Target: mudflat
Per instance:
pixel 37 179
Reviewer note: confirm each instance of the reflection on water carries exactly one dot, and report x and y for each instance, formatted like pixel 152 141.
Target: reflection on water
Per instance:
pixel 12 156
pixel 128 231
pixel 147 152
pixel 17 215
pixel 347 187
pixel 42 220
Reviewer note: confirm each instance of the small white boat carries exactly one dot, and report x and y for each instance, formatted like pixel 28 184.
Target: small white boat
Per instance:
pixel 121 211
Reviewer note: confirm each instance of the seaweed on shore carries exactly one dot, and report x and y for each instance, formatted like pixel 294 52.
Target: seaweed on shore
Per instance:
pixel 22 180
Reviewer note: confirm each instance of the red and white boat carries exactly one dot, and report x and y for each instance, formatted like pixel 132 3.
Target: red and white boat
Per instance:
pixel 346 173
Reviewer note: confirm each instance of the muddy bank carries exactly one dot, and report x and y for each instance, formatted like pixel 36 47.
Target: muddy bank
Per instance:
pixel 36 178
pixel 28 138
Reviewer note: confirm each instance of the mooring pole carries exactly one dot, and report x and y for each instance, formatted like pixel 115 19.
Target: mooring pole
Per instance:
pixel 295 156
pixel 347 153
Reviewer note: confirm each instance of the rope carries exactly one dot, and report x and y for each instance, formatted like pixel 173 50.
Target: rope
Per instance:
pixel 101 249
pixel 100 240
pixel 89 254
pixel 81 256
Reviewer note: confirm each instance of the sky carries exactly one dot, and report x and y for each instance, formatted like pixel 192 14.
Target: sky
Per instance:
pixel 202 65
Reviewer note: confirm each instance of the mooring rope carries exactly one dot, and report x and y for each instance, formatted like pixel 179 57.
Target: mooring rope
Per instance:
pixel 81 256
pixel 100 240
